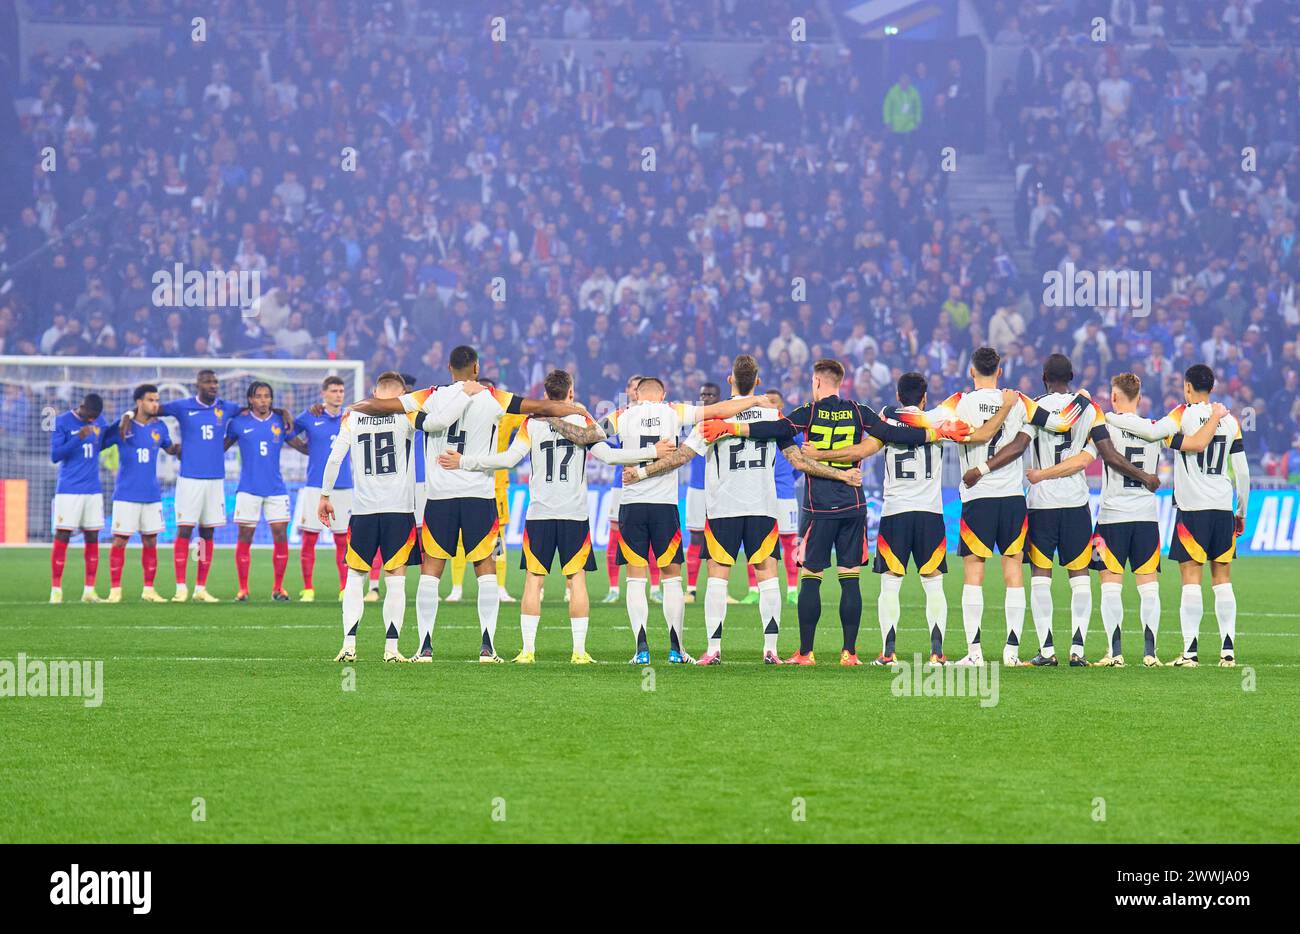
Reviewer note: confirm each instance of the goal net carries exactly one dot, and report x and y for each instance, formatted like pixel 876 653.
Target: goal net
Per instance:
pixel 34 391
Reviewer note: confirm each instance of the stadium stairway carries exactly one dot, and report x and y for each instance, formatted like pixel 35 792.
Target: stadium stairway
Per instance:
pixel 983 181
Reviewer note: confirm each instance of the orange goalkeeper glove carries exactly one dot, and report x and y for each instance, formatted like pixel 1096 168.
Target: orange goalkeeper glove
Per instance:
pixel 714 428
pixel 954 429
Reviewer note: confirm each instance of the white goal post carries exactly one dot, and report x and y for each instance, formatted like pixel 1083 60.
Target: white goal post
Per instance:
pixel 36 390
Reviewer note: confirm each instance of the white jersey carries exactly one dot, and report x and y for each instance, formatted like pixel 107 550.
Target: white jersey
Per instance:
pixel 1122 498
pixel 975 408
pixel 557 484
pixel 640 425
pixel 474 434
pixel 739 473
pixel 1201 480
pixel 383 462
pixel 1049 448
pixel 914 472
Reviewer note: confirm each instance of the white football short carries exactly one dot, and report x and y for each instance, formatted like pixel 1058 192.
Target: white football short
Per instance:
pixel 79 511
pixel 309 504
pixel 787 516
pixel 200 502
pixel 130 518
pixel 249 508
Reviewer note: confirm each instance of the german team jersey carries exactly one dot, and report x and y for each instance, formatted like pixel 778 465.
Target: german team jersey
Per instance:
pixel 641 425
pixel 202 435
pixel 137 476
pixel 260 442
pixel 830 424
pixel 738 472
pixel 914 472
pixel 1123 499
pixel 1201 479
pixel 78 458
pixel 320 432
pixel 473 433
pixel 1050 448
pixel 380 448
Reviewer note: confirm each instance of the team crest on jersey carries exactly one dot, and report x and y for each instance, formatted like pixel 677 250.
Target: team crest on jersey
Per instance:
pixel 275 430
pixel 217 412
pixel 156 435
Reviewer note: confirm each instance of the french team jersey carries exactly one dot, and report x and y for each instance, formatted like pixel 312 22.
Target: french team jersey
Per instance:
pixel 137 476
pixel 914 472
pixel 260 441
pixel 738 471
pixel 380 448
pixel 473 433
pixel 783 474
pixel 202 435
pixel 78 458
pixel 1123 499
pixel 321 430
pixel 1050 448
pixel 642 424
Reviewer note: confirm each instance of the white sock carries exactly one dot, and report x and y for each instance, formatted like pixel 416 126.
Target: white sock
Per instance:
pixel 769 611
pixel 715 611
pixel 638 611
pixel 579 626
pixel 674 608
pixel 528 629
pixel 1014 606
pixel 354 605
pixel 1080 612
pixel 1112 615
pixel 1225 611
pixel 936 611
pixel 972 614
pixel 888 611
pixel 426 611
pixel 1040 607
pixel 489 604
pixel 1189 615
pixel 1149 614
pixel 394 610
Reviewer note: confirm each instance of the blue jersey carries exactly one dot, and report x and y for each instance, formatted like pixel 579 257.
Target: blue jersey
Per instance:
pixel 784 473
pixel 260 441
pixel 78 458
pixel 320 431
pixel 202 434
pixel 697 473
pixel 137 476
pixel 419 463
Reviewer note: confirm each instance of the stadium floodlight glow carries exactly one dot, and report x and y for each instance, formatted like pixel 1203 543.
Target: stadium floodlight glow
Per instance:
pixel 891 30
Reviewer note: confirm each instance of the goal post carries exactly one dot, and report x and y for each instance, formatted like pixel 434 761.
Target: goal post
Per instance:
pixel 34 391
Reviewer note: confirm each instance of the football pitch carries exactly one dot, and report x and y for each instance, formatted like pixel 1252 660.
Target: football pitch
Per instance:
pixel 232 722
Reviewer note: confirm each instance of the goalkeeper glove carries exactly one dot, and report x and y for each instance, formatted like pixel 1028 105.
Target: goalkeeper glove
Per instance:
pixel 714 428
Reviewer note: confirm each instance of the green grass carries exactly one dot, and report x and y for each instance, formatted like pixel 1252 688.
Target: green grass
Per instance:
pixel 242 706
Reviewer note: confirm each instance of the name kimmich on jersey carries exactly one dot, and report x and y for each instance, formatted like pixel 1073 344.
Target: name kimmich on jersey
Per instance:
pixel 739 473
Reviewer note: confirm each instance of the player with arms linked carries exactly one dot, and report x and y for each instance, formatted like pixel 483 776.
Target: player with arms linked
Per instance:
pixel 834 503
pixel 314 432
pixel 137 495
pixel 75 444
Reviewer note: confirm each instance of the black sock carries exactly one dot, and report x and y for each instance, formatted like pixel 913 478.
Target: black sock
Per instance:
pixel 1114 643
pixel 850 609
pixel 936 641
pixel 641 644
pixel 1148 640
pixel 810 610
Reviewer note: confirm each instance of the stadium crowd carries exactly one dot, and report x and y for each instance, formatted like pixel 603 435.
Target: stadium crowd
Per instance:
pixel 784 219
